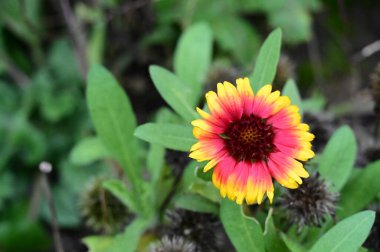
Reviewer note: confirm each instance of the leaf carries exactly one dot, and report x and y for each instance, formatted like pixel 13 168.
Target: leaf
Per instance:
pixel 338 158
pixel 128 240
pixel 120 191
pixel 290 89
pixel 176 93
pixel 171 136
pixel 245 233
pixel 273 241
pixel 315 103
pixel 114 120
pixel 228 33
pixel 88 150
pixel 192 57
pixel 348 235
pixel 196 203
pixel 207 190
pixel 97 243
pixel 360 191
pixel 156 154
pixel 267 60
pixel 292 245
pixel 206 176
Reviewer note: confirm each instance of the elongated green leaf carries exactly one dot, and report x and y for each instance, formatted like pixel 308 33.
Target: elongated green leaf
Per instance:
pixel 338 158
pixel 273 241
pixel 172 136
pixel 114 120
pixel 176 93
pixel 207 190
pixel 112 114
pixel 360 191
pixel 245 233
pixel 192 57
pixel 129 239
pixel 197 203
pixel 348 235
pixel 97 243
pixel 292 245
pixel 87 151
pixel 267 60
pixel 120 191
pixel 156 154
pixel 290 89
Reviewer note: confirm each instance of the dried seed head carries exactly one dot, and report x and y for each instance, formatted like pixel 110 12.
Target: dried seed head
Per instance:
pixel 102 211
pixel 204 230
pixel 309 204
pixel 174 244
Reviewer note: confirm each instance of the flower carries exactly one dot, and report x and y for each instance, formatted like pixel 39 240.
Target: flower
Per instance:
pixel 250 138
pixel 310 204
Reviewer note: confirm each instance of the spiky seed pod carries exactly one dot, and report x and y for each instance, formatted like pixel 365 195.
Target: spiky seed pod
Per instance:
pixel 204 230
pixel 310 204
pixel 375 86
pixel 285 70
pixel 174 244
pixel 101 210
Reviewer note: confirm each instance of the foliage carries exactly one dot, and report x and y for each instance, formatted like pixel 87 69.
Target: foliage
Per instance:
pixel 84 122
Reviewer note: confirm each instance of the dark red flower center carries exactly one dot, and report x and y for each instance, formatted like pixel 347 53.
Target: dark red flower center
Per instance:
pixel 249 139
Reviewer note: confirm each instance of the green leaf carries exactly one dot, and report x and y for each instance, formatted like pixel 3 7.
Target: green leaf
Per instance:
pixel 192 57
pixel 97 243
pixel 156 154
pixel 120 191
pixel 290 89
pixel 207 190
pixel 315 103
pixel 196 203
pixel 63 62
pixel 273 241
pixel 360 191
pixel 228 33
pixel 206 176
pixel 338 158
pixel 176 93
pixel 292 245
pixel 128 240
pixel 245 233
pixel 87 151
pixel 348 235
pixel 267 60
pixel 171 136
pixel 114 120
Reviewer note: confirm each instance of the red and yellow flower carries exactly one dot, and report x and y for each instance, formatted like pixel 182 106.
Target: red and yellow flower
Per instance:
pixel 249 139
